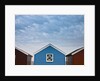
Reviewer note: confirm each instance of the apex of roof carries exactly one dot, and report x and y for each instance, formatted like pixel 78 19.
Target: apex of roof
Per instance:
pixel 23 51
pixel 48 46
pixel 75 51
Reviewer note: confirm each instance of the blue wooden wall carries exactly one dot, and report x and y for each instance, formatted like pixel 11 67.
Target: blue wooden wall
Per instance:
pixel 40 57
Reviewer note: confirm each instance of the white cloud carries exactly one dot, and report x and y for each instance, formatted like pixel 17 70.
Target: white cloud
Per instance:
pixel 66 32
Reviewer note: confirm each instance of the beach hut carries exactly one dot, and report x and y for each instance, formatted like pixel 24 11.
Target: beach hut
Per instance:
pixel 76 57
pixel 22 57
pixel 49 55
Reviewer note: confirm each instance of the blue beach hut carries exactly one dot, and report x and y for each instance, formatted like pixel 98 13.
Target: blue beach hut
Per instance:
pixel 49 55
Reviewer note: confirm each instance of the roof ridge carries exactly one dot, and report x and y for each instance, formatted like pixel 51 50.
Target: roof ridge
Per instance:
pixel 41 49
pixel 75 51
pixel 48 46
pixel 58 49
pixel 78 50
pixel 22 51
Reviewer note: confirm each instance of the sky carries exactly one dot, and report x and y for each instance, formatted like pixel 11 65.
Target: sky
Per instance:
pixel 32 32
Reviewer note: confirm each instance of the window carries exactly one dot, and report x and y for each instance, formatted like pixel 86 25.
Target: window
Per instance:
pixel 49 57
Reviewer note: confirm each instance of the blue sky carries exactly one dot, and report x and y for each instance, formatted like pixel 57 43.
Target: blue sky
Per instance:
pixel 32 32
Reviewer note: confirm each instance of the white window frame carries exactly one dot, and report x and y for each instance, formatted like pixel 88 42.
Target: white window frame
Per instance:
pixel 52 57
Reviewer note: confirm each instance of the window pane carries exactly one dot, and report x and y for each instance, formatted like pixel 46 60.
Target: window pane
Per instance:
pixel 49 57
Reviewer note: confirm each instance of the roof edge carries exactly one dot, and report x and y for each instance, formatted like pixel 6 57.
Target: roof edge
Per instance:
pixel 75 51
pixel 23 51
pixel 51 46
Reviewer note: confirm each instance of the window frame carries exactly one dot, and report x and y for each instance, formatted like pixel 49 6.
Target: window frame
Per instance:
pixel 52 57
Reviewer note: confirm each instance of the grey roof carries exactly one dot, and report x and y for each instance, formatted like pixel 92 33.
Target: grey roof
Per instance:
pixel 75 51
pixel 51 46
pixel 22 51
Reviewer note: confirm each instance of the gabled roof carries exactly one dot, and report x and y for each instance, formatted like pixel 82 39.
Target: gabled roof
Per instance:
pixel 48 46
pixel 75 51
pixel 22 51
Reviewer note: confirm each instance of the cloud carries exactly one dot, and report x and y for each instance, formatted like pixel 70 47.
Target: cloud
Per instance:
pixel 37 30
